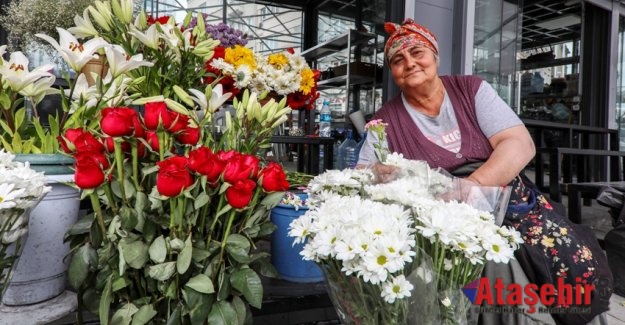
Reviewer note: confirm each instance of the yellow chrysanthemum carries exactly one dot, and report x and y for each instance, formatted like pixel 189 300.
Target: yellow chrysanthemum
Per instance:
pixel 278 60
pixel 240 55
pixel 308 81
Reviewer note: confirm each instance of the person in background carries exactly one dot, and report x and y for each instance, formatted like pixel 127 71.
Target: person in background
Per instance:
pixel 460 124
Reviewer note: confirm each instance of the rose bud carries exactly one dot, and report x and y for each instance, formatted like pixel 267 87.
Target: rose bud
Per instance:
pixel 240 193
pixel 173 176
pixel 274 178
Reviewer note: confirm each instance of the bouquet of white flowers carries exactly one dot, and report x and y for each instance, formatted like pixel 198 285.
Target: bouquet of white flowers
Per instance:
pixel 378 242
pixel 21 188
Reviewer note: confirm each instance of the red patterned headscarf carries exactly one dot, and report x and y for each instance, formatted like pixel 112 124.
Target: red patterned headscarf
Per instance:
pixel 406 35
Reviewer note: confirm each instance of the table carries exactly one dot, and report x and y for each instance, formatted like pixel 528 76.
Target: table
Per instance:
pixel 615 173
pixel 308 160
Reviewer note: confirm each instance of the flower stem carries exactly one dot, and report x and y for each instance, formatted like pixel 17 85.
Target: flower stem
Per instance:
pixel 95 202
pixel 119 162
pixel 231 217
pixel 135 166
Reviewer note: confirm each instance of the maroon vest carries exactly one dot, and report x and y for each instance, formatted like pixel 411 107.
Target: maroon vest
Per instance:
pixel 405 137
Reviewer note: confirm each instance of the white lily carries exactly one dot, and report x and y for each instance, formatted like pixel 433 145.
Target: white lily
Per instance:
pixel 102 14
pixel 73 52
pixel 16 73
pixel 82 93
pixel 39 88
pixel 120 62
pixel 3 50
pixel 84 27
pixel 123 10
pixel 218 98
pixel 150 38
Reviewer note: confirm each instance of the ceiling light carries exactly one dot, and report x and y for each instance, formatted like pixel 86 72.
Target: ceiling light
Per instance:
pixel 559 22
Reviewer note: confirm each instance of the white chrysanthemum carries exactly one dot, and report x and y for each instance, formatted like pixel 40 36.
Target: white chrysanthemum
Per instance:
pixel 8 195
pixel 397 288
pixel 300 228
pixel 223 66
pixel 497 249
pixel 242 76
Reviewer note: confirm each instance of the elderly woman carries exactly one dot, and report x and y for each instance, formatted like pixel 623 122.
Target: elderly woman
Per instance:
pixel 460 124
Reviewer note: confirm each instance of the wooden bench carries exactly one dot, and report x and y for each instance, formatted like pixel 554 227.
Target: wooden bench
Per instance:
pixel 576 191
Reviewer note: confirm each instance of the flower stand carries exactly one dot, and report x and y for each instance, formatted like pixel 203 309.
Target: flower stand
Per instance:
pixel 285 256
pixel 40 278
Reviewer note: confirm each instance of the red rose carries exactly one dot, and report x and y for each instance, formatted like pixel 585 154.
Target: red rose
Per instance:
pixel 189 136
pixel 87 142
pixel 89 169
pixel 109 144
pixel 155 113
pixel 274 178
pixel 203 161
pixel 70 135
pixel 118 121
pixel 80 140
pixel 152 138
pixel 161 20
pixel 227 155
pixel 173 176
pixel 254 162
pixel 237 168
pixel 240 193
pixel 139 130
pixel 179 122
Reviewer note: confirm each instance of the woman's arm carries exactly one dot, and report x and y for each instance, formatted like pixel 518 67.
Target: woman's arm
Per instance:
pixel 513 148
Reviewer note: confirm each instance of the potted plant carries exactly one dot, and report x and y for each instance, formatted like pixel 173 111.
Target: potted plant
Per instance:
pixel 21 188
pixel 177 209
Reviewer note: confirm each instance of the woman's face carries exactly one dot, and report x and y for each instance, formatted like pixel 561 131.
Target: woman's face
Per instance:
pixel 413 67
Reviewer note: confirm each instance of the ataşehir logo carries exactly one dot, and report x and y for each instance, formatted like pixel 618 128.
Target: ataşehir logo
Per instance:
pixel 481 291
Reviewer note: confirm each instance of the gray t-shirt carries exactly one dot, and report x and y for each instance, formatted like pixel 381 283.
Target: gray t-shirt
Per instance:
pixel 493 116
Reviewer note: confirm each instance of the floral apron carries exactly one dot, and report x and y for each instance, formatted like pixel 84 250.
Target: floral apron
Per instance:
pixel 557 248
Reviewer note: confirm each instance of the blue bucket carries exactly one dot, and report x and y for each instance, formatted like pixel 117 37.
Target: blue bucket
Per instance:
pixel 284 256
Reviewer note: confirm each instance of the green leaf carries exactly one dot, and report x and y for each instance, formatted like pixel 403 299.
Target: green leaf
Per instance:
pixel 272 199
pixel 174 318
pixel 248 283
pixel 149 170
pixel 124 314
pixel 201 200
pixel 144 315
pixel 54 126
pixel 184 258
pixel 198 306
pixel 243 314
pixel 158 250
pixel 6 128
pixel 5 101
pixel 79 266
pixel 128 218
pixel 238 247
pixel 201 283
pixel 82 226
pixel 222 313
pixel 200 254
pixel 20 115
pixel 225 209
pixel 135 253
pixel 163 271
pixel 105 301
pixel 119 283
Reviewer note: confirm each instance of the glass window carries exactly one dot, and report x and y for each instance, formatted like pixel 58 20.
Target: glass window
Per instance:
pixel 620 84
pixel 529 52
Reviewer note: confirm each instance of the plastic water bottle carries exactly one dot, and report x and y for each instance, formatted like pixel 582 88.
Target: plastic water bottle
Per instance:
pixel 348 155
pixel 325 120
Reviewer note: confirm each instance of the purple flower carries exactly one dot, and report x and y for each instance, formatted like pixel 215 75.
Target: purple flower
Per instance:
pixel 229 37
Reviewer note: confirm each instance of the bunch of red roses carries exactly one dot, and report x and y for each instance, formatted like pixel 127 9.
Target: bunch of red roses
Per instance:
pixel 125 132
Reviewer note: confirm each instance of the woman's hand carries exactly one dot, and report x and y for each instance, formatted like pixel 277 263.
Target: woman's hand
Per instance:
pixel 383 173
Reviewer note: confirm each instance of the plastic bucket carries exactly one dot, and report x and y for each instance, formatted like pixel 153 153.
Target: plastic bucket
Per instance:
pixel 285 256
